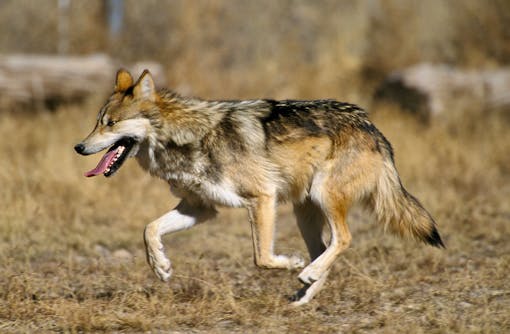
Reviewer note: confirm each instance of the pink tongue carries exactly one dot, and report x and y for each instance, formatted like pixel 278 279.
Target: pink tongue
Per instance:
pixel 103 164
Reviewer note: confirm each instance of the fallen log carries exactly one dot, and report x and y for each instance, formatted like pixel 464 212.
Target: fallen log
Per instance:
pixel 45 81
pixel 430 90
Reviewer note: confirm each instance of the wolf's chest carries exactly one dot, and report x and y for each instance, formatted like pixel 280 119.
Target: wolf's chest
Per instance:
pixel 222 193
pixel 191 171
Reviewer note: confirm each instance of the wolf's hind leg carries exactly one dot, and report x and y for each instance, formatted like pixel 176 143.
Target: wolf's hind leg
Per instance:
pixel 340 239
pixel 262 219
pixel 182 217
pixel 310 220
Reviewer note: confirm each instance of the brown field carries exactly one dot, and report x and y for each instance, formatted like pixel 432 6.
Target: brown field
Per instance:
pixel 73 261
pixel 71 249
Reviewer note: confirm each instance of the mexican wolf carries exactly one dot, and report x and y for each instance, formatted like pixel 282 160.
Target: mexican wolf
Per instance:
pixel 322 155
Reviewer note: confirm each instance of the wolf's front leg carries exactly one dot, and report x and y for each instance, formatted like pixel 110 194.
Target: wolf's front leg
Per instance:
pixel 185 215
pixel 261 212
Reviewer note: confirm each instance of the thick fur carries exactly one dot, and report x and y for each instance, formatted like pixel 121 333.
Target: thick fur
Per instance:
pixel 322 155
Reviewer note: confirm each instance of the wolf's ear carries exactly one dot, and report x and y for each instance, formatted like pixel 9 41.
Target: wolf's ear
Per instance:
pixel 123 81
pixel 144 87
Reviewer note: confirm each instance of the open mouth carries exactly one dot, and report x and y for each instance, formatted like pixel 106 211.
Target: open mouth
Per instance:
pixel 114 158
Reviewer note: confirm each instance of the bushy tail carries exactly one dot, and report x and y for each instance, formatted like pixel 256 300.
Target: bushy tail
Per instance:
pixel 400 211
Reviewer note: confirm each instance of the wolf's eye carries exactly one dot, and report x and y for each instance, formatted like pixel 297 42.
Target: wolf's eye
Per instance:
pixel 110 123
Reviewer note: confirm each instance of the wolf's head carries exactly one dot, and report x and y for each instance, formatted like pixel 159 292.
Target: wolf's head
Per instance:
pixel 122 123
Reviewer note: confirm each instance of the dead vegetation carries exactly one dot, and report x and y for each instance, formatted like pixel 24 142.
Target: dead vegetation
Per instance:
pixel 72 250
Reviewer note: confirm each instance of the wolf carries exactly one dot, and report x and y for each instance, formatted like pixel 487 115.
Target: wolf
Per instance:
pixel 323 156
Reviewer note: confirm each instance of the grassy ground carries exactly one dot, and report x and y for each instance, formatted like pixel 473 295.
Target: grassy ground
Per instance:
pixel 72 259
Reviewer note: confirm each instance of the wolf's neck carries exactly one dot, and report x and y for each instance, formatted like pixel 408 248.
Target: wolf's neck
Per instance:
pixel 183 120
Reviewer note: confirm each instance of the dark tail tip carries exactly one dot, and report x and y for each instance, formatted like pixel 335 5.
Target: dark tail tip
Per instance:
pixel 434 239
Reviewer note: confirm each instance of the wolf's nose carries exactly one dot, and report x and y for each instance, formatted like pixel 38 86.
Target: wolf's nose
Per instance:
pixel 79 148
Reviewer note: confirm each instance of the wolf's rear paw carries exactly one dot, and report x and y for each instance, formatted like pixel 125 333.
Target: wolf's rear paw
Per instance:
pixel 308 291
pixel 309 275
pixel 287 262
pixel 296 262
pixel 297 298
pixel 295 301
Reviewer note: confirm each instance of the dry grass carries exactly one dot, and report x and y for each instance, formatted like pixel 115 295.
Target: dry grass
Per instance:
pixel 71 249
pixel 281 49
pixel 64 240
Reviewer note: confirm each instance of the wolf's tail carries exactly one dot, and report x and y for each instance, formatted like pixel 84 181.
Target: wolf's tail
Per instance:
pixel 400 211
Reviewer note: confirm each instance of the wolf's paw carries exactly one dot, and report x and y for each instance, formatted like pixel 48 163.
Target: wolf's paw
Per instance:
pixel 309 275
pixel 297 300
pixel 159 263
pixel 163 269
pixel 308 291
pixel 296 262
pixel 286 262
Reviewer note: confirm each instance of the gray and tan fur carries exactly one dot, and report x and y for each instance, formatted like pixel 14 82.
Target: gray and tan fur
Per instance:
pixel 323 156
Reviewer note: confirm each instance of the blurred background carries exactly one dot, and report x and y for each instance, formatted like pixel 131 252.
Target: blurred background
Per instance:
pixel 434 75
pixel 278 49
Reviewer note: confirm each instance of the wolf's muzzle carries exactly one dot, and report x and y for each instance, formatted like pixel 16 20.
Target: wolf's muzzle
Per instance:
pixel 79 148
